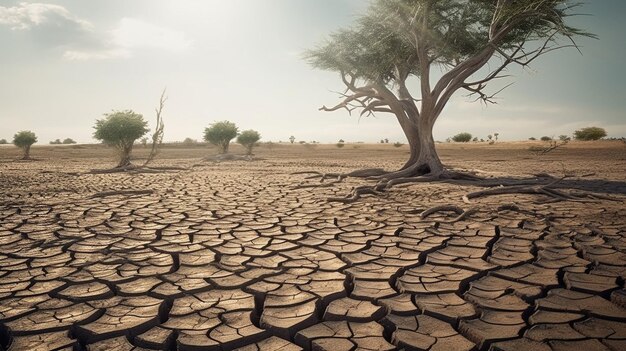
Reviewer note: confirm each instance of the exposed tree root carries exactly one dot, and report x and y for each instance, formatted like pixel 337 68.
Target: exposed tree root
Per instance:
pixel 136 169
pixel 461 213
pixel 121 192
pixel 542 184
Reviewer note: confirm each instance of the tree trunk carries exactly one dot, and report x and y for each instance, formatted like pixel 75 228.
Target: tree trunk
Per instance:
pixel 424 158
pixel 125 156
pixel 26 153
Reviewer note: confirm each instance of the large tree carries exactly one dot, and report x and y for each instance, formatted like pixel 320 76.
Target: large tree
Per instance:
pixel 471 42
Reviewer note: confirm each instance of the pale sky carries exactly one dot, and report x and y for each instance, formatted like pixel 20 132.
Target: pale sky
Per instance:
pixel 66 62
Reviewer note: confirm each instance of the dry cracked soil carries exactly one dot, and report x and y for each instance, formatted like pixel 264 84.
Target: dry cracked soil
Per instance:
pixel 229 255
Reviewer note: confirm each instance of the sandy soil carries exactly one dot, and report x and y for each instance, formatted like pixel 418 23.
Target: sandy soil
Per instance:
pixel 230 255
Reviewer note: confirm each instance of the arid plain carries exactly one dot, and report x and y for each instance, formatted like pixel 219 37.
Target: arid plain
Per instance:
pixel 237 255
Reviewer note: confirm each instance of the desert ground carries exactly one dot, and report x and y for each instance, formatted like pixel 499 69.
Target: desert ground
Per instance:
pixel 238 255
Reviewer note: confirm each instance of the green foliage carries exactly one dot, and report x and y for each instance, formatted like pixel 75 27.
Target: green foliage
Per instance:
pixel 24 140
pixel 249 138
pixel 292 139
pixel 397 144
pixel 220 134
pixel 545 138
pixel 56 142
pixel 532 138
pixel 383 41
pixel 590 133
pixel 120 129
pixel 69 141
pixel 462 137
pixel 340 145
pixel 3 141
pixel 564 138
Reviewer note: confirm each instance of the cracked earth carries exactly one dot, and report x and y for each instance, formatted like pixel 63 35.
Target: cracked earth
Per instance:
pixel 231 256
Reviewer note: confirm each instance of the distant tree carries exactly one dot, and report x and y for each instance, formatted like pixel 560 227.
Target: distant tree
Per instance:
pixel 248 139
pixel 3 141
pixel 189 141
pixel 340 145
pixel 495 135
pixel 292 139
pixel 590 133
pixel 382 141
pixel 489 137
pixel 220 134
pixel 55 142
pixel 341 141
pixel 144 141
pixel 564 138
pixel 546 138
pixel 475 139
pixel 68 141
pixel 24 140
pixel 532 138
pixel 462 137
pixel 302 142
pixel 397 144
pixel 386 141
pixel 120 129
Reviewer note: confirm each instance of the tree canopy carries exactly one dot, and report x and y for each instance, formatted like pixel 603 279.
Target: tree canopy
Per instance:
pixel 590 133
pixel 220 134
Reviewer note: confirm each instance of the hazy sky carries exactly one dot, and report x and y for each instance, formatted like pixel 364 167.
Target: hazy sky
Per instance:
pixel 64 63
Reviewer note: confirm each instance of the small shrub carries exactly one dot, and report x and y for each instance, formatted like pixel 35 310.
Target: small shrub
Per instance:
pixel 3 142
pixel 546 138
pixel 397 144
pixel 590 133
pixel 189 141
pixel 532 138
pixel 220 134
pixel 56 142
pixel 462 137
pixel 24 140
pixel 475 139
pixel 564 138
pixel 68 141
pixel 340 145
pixel 302 142
pixel 248 139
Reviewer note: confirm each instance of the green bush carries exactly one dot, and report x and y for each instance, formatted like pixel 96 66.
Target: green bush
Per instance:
pixel 24 140
pixel 3 141
pixel 220 134
pixel 120 129
pixel 248 139
pixel 590 133
pixel 546 138
pixel 68 141
pixel 462 137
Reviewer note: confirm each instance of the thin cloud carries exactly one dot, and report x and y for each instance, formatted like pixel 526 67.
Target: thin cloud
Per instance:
pixel 54 26
pixel 26 16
